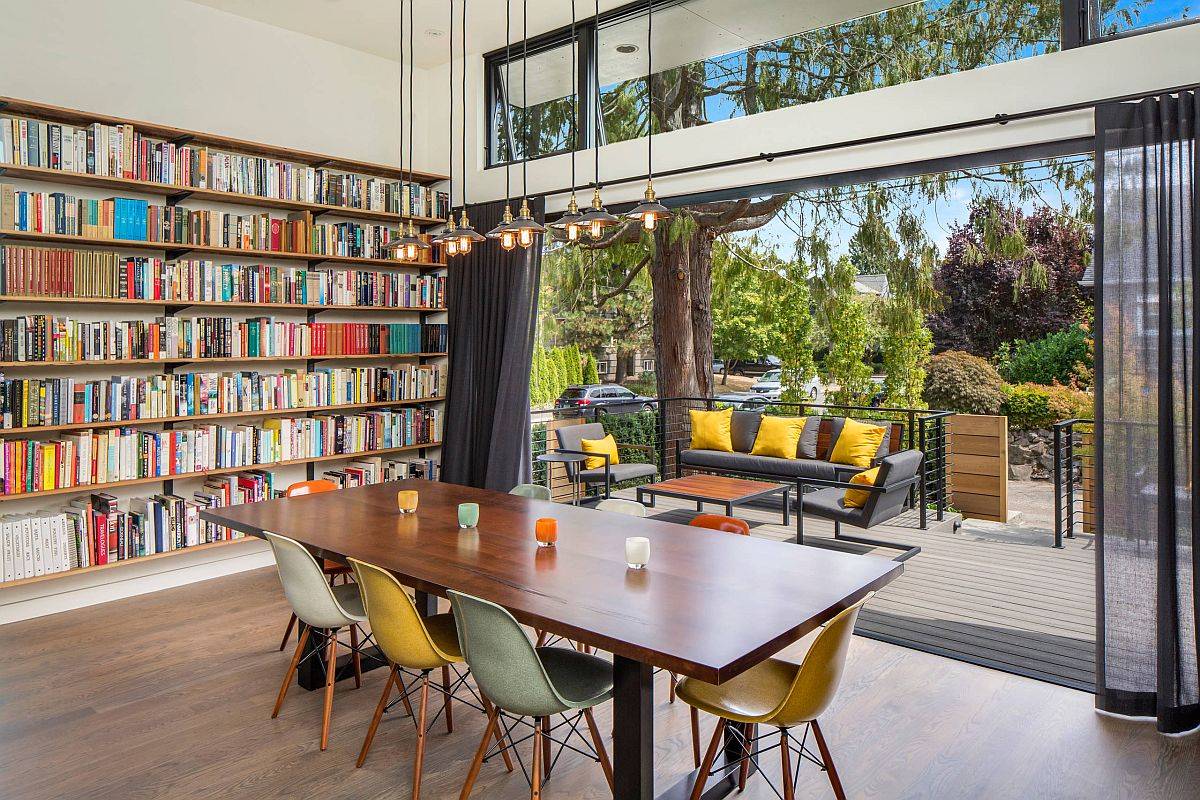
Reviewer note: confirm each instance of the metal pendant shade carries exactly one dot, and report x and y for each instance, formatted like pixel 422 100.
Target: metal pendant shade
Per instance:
pixel 649 211
pixel 597 218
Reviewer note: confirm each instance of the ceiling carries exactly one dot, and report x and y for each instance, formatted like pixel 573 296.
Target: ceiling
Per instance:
pixel 697 29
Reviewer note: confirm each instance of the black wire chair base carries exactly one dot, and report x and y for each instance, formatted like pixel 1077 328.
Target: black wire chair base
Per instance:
pixel 454 692
pixel 799 747
pixel 511 744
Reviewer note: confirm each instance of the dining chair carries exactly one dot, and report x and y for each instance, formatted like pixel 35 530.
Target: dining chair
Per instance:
pixel 411 643
pixel 719 522
pixel 631 507
pixel 324 610
pixel 534 491
pixel 523 681
pixel 331 568
pixel 782 695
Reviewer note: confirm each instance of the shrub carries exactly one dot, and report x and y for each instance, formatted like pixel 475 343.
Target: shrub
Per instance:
pixel 1062 357
pixel 961 382
pixel 640 429
pixel 1032 405
pixel 644 384
pixel 590 373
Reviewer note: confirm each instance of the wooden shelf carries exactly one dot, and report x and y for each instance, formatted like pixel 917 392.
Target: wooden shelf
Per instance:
pixel 274 412
pixel 120 301
pixel 121 563
pixel 109 362
pixel 179 249
pixel 100 487
pixel 76 117
pixel 177 193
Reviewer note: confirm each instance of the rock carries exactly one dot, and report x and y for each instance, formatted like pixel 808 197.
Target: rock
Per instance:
pixel 1020 472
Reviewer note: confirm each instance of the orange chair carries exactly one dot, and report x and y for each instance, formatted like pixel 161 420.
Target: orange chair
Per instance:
pixel 717 522
pixel 331 568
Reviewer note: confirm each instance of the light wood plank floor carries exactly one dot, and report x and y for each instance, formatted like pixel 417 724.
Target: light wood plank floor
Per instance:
pixel 1011 602
pixel 169 695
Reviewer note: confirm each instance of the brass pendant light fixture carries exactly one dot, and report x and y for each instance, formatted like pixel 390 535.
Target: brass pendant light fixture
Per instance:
pixel 569 221
pixel 409 246
pixel 649 211
pixel 527 228
pixel 504 231
pixel 468 237
pixel 596 219
pixel 448 239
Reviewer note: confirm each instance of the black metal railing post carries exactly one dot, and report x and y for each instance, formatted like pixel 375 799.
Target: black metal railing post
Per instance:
pixel 1058 485
pixel 922 484
pixel 1064 478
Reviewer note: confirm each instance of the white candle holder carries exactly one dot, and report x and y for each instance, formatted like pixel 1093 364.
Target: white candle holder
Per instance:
pixel 637 552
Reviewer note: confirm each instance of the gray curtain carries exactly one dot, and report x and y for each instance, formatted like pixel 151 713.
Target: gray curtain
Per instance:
pixel 492 295
pixel 1148 445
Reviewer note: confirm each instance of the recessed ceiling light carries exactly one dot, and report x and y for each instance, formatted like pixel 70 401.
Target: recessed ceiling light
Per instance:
pixel 434 33
pixel 627 48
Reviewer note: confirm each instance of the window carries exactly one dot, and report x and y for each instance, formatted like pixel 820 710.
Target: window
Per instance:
pixel 545 117
pixel 602 367
pixel 1116 17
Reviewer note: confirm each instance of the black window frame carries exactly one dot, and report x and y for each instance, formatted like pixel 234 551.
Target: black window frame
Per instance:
pixel 1079 28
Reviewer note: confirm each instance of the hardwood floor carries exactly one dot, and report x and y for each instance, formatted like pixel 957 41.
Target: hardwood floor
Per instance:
pixel 169 695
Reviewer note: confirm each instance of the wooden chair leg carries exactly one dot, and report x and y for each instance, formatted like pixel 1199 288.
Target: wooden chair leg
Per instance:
pixel 379 709
pixel 709 756
pixel 747 748
pixel 355 658
pixel 419 759
pixel 447 706
pixel 541 639
pixel 546 749
pixel 408 709
pixel 287 634
pixel 291 671
pixel 671 687
pixel 330 679
pixel 499 733
pixel 535 781
pixel 477 762
pixel 834 780
pixel 785 754
pixel 696 736
pixel 605 764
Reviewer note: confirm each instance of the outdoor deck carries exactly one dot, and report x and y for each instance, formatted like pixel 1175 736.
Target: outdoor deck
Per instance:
pixel 990 594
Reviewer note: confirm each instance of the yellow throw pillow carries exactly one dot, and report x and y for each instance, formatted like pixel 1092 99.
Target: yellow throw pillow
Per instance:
pixel 711 430
pixel 606 445
pixel 858 443
pixel 857 498
pixel 778 436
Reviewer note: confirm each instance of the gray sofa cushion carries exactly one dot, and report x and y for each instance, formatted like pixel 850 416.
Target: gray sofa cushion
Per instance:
pixel 744 429
pixel 620 472
pixel 830 504
pixel 763 465
pixel 569 436
pixel 807 446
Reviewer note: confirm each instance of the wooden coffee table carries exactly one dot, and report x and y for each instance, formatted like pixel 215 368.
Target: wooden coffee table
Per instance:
pixel 719 489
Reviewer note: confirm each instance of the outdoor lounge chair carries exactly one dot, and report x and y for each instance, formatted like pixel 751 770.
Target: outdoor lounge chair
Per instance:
pixel 569 438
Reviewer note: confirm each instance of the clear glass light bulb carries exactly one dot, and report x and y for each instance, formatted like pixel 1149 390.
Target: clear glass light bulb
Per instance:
pixel 597 230
pixel 525 237
pixel 410 252
pixel 452 247
pixel 572 232
pixel 650 220
pixel 507 240
pixel 464 245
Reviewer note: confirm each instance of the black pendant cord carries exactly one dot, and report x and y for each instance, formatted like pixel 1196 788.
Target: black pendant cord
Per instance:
pixel 450 98
pixel 401 112
pixel 598 117
pixel 650 89
pixel 524 101
pixel 463 189
pixel 574 96
pixel 411 107
pixel 508 109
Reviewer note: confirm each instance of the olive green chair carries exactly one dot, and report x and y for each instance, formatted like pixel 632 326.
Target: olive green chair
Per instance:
pixel 523 681
pixel 534 491
pixel 782 695
pixel 411 643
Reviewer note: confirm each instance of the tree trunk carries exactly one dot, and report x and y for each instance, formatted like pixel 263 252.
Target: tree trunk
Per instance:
pixel 620 363
pixel 674 343
pixel 700 279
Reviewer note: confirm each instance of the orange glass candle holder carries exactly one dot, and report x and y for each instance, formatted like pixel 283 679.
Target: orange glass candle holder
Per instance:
pixel 406 501
pixel 545 530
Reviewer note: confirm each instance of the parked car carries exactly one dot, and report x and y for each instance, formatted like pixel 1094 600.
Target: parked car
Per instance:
pixel 770 387
pixel 718 366
pixel 604 398
pixel 753 367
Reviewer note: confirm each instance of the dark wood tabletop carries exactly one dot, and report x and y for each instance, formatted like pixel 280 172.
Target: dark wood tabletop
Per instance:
pixel 718 488
pixel 709 605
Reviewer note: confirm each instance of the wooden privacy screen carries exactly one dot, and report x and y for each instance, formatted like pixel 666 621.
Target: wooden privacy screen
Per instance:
pixel 979 466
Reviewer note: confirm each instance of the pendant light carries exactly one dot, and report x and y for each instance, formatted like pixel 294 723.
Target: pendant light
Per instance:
pixel 448 239
pixel 409 245
pixel 526 226
pixel 413 240
pixel 504 231
pixel 569 221
pixel 597 218
pixel 649 211
pixel 467 235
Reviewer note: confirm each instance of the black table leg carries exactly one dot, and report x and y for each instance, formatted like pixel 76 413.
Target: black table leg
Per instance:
pixel 426 603
pixel 716 788
pixel 633 730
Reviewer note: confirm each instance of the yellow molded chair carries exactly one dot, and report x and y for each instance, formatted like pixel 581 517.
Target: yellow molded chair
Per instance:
pixel 780 694
pixel 410 642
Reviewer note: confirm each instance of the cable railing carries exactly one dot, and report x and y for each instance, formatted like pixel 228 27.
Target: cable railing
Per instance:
pixel 1073 471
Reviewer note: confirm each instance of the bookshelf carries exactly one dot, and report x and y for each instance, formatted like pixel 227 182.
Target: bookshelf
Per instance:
pixel 341 171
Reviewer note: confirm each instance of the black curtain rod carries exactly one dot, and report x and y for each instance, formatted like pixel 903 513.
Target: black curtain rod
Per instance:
pixel 998 119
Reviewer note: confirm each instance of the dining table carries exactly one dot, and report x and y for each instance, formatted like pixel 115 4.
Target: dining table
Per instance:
pixel 708 605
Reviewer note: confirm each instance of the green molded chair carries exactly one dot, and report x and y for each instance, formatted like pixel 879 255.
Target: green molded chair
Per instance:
pixel 409 642
pixel 618 505
pixel 780 694
pixel 324 610
pixel 524 681
pixel 534 491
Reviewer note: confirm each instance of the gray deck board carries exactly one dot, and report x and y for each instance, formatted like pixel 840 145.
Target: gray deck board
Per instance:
pixel 1017 606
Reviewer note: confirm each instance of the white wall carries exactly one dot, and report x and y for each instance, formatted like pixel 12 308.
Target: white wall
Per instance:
pixel 1136 64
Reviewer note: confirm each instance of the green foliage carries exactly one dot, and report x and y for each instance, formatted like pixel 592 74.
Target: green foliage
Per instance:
pixel 590 372
pixel 645 384
pixel 1063 357
pixel 553 370
pixel 1032 405
pixel 961 382
pixel 847 320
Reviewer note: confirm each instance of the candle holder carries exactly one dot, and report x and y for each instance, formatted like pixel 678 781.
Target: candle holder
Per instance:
pixel 545 530
pixel 468 515
pixel 637 552
pixel 406 501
